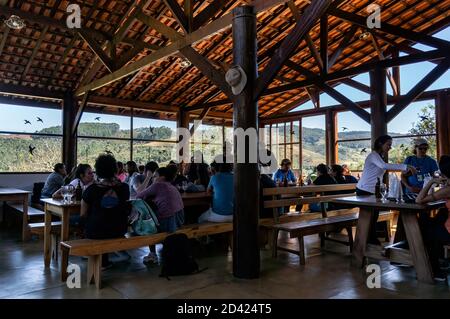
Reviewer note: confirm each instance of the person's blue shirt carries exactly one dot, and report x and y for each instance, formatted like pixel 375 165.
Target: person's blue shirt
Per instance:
pixel 222 185
pixel 279 175
pixel 350 179
pixel 425 165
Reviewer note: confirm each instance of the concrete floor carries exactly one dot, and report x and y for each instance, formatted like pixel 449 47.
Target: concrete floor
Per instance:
pixel 327 274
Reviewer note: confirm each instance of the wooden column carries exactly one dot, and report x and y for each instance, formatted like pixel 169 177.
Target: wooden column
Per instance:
pixel 443 122
pixel 331 137
pixel 69 139
pixel 246 260
pixel 182 121
pixel 378 103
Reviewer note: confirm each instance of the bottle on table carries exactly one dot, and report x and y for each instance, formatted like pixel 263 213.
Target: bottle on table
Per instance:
pixel 378 188
pixel 285 181
pixel 78 192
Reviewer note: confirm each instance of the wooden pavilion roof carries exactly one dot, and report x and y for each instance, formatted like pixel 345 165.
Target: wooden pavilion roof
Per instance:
pixel 46 55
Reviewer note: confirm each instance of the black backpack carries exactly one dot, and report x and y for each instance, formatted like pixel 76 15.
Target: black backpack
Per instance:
pixel 177 257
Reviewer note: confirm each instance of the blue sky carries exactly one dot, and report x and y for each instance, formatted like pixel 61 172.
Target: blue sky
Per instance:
pixel 12 117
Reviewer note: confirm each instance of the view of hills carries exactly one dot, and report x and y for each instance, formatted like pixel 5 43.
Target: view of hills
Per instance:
pixel 15 155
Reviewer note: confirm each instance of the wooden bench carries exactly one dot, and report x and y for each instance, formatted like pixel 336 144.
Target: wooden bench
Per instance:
pixel 95 248
pixel 319 223
pixel 36 228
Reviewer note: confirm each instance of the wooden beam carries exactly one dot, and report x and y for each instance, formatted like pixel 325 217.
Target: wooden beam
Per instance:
pixel 49 22
pixel 144 44
pixel 119 34
pixel 352 106
pixel 189 13
pixel 98 51
pixel 442 103
pixel 314 95
pixel 4 38
pixel 33 54
pixel 217 77
pixel 309 42
pixel 391 29
pixel 396 73
pixel 209 12
pixel 33 92
pixel 201 117
pixel 342 45
pixel 178 14
pixel 314 11
pixel 381 57
pixel 324 42
pixel 157 25
pixel 112 101
pixel 420 87
pixel 200 34
pixel 357 85
pixel 79 114
pixel 69 147
pixel 331 137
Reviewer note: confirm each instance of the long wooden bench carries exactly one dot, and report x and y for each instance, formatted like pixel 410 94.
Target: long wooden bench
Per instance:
pixel 95 248
pixel 317 223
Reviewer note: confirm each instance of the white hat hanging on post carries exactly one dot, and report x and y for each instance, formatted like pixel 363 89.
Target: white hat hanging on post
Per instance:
pixel 236 78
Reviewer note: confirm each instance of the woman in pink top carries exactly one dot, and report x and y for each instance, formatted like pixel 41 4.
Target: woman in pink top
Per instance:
pixel 121 174
pixel 437 233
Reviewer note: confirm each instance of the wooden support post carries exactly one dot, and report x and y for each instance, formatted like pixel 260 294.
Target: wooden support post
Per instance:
pixel 324 43
pixel 443 122
pixel 183 122
pixel 69 139
pixel 396 72
pixel 378 103
pixel 246 259
pixel 331 137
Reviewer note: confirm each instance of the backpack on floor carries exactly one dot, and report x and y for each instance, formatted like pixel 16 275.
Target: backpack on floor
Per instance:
pixel 177 257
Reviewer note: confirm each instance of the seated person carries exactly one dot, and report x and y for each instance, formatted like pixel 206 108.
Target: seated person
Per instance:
pixel 284 173
pixel 84 175
pixel 222 189
pixel 323 178
pixel 348 175
pixel 436 233
pixel 121 174
pixel 337 172
pixel 54 181
pixel 265 182
pixel 141 169
pixel 132 170
pixel 142 181
pixel 105 207
pixel 178 178
pixel 424 164
pixel 201 180
pixel 167 199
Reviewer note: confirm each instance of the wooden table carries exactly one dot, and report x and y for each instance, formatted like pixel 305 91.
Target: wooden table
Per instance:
pixel 416 255
pixel 18 195
pixel 57 208
pixel 196 199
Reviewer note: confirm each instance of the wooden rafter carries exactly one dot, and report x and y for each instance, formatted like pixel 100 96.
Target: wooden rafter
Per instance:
pixel 178 14
pixel 202 33
pixel 49 22
pixel 324 43
pixel 381 57
pixel 115 102
pixel 314 11
pixel 342 45
pixel 206 14
pixel 98 51
pixel 309 42
pixel 189 14
pixel 419 88
pixel 4 38
pixel 391 29
pixel 79 114
pixel 314 95
pixel 33 54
